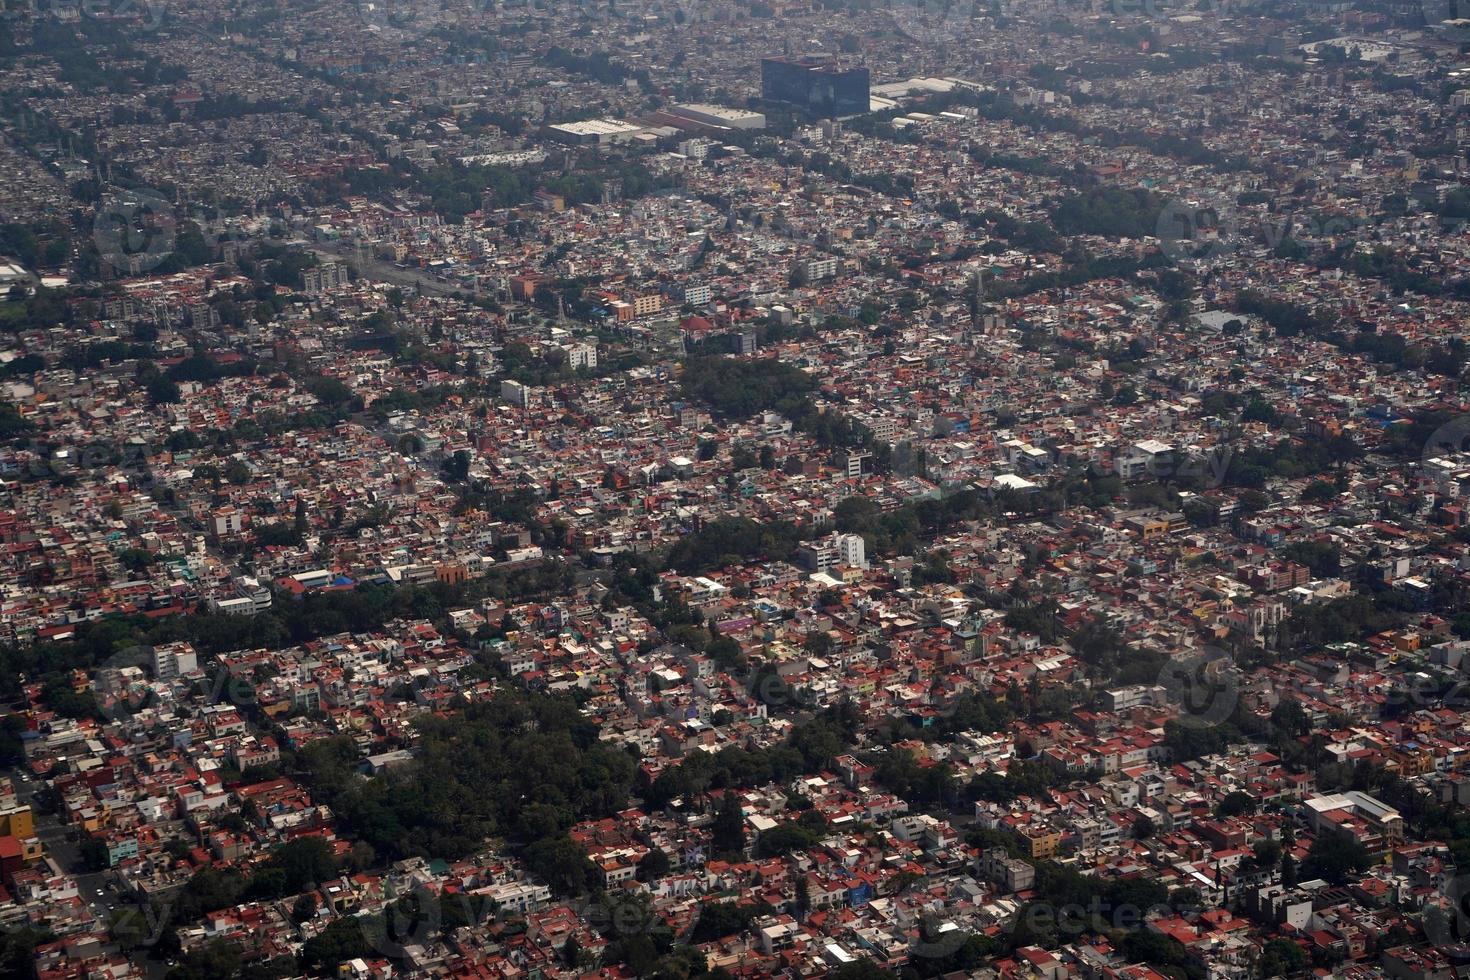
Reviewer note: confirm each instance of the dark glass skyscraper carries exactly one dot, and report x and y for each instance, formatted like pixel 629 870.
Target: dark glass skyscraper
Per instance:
pixel 816 84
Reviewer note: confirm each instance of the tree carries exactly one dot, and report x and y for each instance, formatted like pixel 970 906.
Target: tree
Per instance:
pixel 237 472
pixel 720 919
pixel 18 950
pixel 1235 804
pixel 560 863
pixel 132 926
pixel 737 388
pixel 457 467
pixel 817 643
pixel 727 833
pixel 1282 957
pixel 1336 859
pixel 1290 717
pixel 1144 828
pixel 304 907
pixel 163 391
pixel 94 853
pixel 1155 948
pixel 1319 491
pixel 653 865
pixel 342 939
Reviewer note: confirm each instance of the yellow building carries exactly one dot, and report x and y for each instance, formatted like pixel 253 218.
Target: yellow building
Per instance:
pixel 1042 841
pixel 17 821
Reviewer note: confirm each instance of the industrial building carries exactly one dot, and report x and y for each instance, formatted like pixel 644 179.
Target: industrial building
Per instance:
pixel 595 132
pixel 719 117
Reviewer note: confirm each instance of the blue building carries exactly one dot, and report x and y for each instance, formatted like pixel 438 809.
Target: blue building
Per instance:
pixel 819 85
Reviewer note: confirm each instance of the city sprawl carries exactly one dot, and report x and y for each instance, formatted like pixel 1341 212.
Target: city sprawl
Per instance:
pixel 700 489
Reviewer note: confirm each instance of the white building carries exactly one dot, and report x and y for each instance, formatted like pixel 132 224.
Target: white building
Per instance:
pixel 582 356
pixel 720 116
pixel 824 268
pixel 171 660
pixel 836 550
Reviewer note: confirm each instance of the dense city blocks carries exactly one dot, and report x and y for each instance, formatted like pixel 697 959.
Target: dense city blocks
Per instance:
pixel 712 489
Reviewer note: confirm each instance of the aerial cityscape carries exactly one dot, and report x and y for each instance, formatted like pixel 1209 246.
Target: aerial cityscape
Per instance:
pixel 708 489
